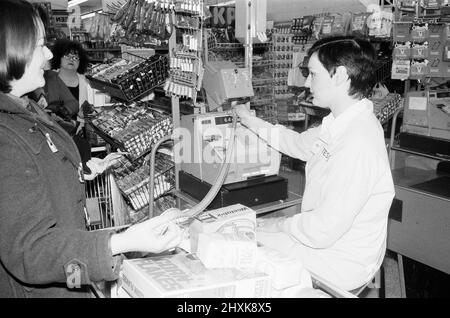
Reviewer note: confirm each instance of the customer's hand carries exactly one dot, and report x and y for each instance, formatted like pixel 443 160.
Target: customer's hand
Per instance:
pixel 98 166
pixel 151 236
pixel 272 225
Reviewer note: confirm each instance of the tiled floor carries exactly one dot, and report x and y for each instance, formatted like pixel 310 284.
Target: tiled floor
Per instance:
pixel 392 281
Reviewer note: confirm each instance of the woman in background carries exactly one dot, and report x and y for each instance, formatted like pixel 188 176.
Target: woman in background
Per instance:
pixel 71 61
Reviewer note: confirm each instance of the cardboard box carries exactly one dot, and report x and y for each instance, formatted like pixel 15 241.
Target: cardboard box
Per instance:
pixel 227 250
pixel 230 219
pixel 284 271
pixel 184 276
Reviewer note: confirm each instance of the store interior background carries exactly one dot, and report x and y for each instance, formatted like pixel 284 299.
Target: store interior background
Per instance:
pixel 277 10
pixel 421 280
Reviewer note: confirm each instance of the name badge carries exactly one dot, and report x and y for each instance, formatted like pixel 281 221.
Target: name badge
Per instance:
pixel 87 219
pixel 80 173
pixel 50 143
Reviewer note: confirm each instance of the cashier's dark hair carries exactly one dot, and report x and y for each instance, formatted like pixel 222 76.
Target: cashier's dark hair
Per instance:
pixel 64 46
pixel 355 54
pixel 20 27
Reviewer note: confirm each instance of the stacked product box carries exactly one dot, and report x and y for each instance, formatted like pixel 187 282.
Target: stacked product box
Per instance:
pixel 185 276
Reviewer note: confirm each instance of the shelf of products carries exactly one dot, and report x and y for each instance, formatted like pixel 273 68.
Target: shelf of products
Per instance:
pixel 100 55
pixel 133 179
pixel 420 32
pixel 186 64
pixel 133 129
pixel 128 80
pixel 282 51
pixel 262 78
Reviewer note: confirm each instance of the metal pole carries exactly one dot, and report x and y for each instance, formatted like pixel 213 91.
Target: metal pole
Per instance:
pixel 248 38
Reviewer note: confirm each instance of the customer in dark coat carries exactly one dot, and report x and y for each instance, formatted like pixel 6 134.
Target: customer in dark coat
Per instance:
pixel 44 248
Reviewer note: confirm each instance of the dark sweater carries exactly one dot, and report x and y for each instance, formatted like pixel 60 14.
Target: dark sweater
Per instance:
pixel 59 97
pixel 42 227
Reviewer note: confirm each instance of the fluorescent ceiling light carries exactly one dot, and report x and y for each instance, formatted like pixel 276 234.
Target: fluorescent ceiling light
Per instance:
pixel 90 15
pixel 75 2
pixel 227 3
pixel 220 3
pixel 86 16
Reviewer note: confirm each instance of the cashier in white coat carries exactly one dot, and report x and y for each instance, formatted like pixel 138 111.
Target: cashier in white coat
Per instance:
pixel 340 234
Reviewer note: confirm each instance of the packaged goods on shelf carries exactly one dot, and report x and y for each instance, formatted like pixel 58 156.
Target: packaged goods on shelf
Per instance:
pixel 107 72
pixel 302 28
pixel 127 80
pixel 263 102
pixel 140 17
pixel 100 27
pixel 133 129
pixel 184 275
pixel 186 66
pixel 133 179
pixel 384 108
pixel 282 49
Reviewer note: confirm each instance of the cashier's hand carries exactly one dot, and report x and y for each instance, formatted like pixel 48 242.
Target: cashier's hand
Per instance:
pixel 151 236
pixel 272 225
pixel 243 113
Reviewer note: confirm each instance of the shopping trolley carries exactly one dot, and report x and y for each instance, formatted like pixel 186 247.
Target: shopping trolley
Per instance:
pixel 104 203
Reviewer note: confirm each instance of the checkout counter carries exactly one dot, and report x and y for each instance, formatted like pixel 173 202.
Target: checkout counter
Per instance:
pixel 254 183
pixel 420 161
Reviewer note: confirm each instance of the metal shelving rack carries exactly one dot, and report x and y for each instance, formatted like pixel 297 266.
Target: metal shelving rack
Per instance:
pixel 175 100
pixel 264 105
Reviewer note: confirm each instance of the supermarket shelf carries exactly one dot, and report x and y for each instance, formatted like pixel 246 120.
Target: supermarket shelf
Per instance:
pixel 111 49
pixel 261 102
pixel 262 81
pixel 257 63
pixel 238 46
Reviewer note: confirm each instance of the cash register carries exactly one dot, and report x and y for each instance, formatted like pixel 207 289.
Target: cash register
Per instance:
pixel 253 173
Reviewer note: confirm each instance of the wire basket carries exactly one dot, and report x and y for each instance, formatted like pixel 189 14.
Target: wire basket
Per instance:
pixel 138 197
pixel 91 135
pixel 385 108
pixel 133 180
pixel 104 203
pixel 132 129
pixel 383 70
pixel 135 82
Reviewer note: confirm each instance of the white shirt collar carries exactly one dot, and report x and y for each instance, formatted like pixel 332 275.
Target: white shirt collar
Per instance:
pixel 332 126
